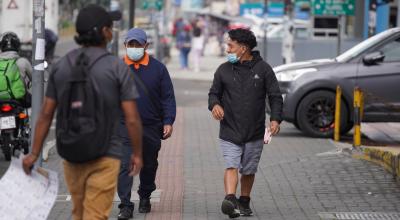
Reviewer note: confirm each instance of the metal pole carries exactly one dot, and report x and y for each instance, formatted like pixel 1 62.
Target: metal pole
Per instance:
pixel 288 39
pixel 357 117
pixel 115 6
pixel 265 41
pixel 38 65
pixel 337 113
pixel 398 13
pixel 156 42
pixel 131 13
pixel 339 35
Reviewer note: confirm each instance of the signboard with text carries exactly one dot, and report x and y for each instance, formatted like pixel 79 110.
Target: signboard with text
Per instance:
pixel 333 7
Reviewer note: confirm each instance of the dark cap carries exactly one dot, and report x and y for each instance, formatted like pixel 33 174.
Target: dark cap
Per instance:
pixel 94 17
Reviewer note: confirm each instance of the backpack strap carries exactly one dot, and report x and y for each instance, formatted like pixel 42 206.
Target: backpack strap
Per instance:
pixel 146 91
pixel 98 58
pixel 73 63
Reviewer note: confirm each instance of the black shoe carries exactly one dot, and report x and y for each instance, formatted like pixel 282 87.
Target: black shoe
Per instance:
pixel 244 206
pixel 144 205
pixel 125 212
pixel 230 206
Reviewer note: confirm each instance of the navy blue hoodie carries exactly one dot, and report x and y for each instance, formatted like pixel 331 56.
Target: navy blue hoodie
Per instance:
pixel 160 111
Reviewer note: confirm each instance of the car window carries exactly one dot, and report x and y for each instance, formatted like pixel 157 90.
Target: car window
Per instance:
pixel 391 51
pixel 365 45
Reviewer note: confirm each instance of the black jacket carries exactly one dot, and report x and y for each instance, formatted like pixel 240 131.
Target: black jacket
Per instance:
pixel 241 89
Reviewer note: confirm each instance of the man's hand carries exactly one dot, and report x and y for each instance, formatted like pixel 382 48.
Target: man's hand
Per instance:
pixel 218 112
pixel 167 131
pixel 28 162
pixel 274 127
pixel 136 165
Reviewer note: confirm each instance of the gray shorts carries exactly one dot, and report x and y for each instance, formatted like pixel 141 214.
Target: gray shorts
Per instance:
pixel 243 157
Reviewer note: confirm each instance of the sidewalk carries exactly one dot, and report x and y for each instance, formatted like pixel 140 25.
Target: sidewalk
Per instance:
pixel 299 178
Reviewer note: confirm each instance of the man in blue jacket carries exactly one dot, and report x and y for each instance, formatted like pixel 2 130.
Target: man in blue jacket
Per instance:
pixel 157 108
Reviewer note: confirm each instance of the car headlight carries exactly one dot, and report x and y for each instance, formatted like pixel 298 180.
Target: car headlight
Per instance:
pixel 291 75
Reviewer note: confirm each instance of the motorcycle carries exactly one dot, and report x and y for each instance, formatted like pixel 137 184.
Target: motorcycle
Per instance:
pixel 14 129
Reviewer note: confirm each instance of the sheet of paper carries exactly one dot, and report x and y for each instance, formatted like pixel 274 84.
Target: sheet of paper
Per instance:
pixel 24 197
pixel 39 53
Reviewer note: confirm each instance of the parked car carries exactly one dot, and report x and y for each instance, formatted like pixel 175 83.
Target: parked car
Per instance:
pixel 309 87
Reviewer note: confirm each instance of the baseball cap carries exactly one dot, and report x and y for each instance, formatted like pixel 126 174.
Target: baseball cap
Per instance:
pixel 95 17
pixel 136 34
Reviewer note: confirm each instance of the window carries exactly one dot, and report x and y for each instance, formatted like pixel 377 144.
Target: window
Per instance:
pixel 391 51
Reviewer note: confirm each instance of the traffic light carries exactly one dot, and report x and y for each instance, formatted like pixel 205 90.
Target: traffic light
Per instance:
pixel 159 5
pixel 145 5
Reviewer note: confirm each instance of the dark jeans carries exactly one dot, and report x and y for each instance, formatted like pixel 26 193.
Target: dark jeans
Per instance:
pixel 151 147
pixel 184 57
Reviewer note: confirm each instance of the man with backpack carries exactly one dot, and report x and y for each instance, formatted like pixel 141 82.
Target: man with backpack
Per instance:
pixel 89 87
pixel 157 108
pixel 15 71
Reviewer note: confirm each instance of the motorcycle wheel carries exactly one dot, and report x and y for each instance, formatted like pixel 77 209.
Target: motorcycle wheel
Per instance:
pixel 25 147
pixel 7 153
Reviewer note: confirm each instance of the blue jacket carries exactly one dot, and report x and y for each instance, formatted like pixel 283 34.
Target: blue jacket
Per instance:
pixel 158 82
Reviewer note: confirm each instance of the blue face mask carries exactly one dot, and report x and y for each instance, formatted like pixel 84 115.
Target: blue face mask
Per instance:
pixel 134 53
pixel 232 58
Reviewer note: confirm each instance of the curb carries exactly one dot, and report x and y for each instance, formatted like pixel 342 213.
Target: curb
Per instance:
pixel 386 157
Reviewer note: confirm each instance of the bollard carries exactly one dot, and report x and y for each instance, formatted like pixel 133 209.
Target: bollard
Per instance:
pixel 336 136
pixel 361 105
pixel 357 117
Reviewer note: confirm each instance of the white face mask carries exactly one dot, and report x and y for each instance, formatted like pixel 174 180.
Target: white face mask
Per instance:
pixel 134 53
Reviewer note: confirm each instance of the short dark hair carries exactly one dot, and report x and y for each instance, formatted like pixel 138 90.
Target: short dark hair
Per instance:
pixel 90 38
pixel 243 36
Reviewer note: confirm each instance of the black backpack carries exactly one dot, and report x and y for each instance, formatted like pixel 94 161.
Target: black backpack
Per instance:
pixel 83 126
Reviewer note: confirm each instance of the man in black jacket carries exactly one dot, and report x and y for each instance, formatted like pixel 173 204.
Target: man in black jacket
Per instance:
pixel 237 99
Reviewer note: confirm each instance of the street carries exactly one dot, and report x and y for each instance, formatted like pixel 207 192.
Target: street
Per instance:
pixel 298 178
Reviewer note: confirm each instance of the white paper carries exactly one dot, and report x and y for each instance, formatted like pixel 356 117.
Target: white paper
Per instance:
pixel 267 136
pixel 39 53
pixel 24 197
pixel 40 67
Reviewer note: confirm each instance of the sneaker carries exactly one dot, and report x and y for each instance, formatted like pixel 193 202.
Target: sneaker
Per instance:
pixel 230 206
pixel 125 212
pixel 244 206
pixel 144 205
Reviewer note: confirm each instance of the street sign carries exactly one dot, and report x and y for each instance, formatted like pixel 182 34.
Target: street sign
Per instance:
pixel 333 7
pixel 252 8
pixel 152 4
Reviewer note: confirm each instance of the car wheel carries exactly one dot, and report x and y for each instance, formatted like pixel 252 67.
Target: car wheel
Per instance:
pixel 316 114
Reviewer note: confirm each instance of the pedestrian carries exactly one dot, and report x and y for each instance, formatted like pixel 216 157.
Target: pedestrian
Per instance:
pixel 157 109
pixel 86 134
pixel 184 44
pixel 197 45
pixel 237 99
pixel 21 79
pixel 51 39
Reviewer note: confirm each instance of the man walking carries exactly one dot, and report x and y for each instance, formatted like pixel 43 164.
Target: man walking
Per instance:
pixel 237 99
pixel 157 108
pixel 86 128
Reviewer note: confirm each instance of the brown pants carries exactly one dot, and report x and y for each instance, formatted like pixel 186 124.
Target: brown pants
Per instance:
pixel 92 186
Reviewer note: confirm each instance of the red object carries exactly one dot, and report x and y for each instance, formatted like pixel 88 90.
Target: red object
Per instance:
pixel 237 26
pixel 6 108
pixel 187 28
